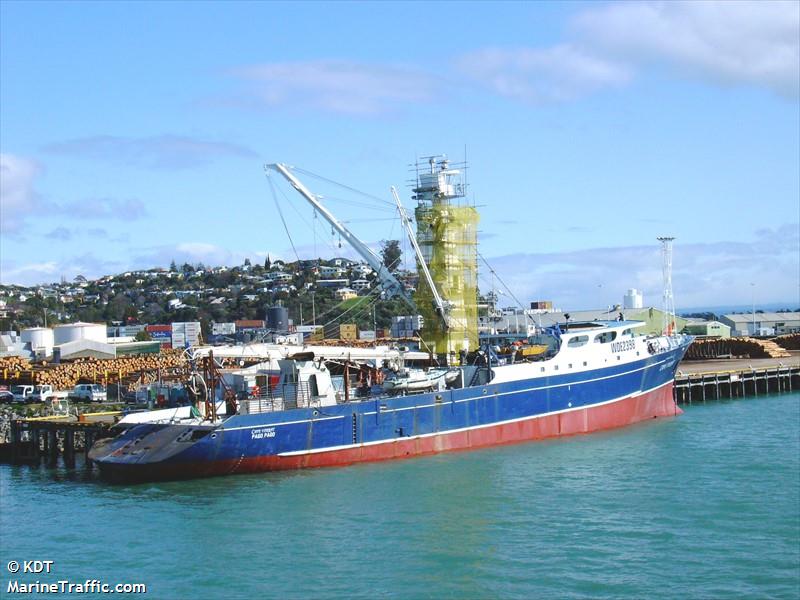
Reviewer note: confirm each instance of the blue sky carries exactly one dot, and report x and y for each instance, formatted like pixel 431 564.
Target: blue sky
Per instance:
pixel 135 133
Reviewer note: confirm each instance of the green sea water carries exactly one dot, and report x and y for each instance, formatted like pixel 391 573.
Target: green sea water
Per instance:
pixel 706 505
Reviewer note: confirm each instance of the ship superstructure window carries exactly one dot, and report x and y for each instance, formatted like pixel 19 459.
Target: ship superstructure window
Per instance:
pixel 605 337
pixel 626 332
pixel 577 341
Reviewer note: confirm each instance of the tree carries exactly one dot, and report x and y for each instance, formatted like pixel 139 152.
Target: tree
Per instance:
pixel 173 267
pixel 247 262
pixel 267 264
pixel 143 336
pixel 390 254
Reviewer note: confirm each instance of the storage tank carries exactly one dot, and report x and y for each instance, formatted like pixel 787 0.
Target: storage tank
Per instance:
pixel 80 331
pixel 633 299
pixel 278 318
pixel 38 338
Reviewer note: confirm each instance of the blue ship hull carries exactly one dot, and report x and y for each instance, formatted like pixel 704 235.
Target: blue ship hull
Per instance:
pixel 395 427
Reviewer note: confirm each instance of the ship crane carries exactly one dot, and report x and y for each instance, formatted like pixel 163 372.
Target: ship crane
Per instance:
pixel 390 284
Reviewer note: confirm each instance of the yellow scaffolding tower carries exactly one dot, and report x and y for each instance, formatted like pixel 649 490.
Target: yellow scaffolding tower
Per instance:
pixel 448 238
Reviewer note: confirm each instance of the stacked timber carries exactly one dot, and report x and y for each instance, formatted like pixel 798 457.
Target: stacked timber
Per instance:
pixel 64 376
pixel 362 343
pixel 15 363
pixel 735 348
pixel 790 341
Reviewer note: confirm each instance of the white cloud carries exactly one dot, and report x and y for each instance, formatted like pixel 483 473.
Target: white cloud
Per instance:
pixel 13 272
pixel 104 208
pixel 18 197
pixel 336 86
pixel 61 234
pixel 558 73
pixel 154 152
pixel 30 273
pixel 186 252
pixel 703 274
pixel 752 43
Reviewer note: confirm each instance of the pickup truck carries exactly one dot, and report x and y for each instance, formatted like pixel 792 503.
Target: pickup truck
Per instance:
pixel 35 393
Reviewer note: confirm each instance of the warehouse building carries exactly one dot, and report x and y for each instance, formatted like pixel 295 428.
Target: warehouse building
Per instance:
pixel 762 323
pixel 707 329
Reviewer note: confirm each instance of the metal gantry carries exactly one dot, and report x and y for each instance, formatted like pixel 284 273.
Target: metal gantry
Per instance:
pixel 669 300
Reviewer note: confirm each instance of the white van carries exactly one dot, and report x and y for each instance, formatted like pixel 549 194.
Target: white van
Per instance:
pixel 89 392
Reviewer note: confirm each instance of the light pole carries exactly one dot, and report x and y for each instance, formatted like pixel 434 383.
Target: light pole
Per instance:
pixel 753 290
pixel 313 309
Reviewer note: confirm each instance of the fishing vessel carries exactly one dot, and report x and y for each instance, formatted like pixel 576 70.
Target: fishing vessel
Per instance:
pixel 591 376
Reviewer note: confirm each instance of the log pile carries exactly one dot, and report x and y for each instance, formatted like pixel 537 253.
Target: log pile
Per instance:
pixel 735 348
pixel 362 343
pixel 65 376
pixel 790 341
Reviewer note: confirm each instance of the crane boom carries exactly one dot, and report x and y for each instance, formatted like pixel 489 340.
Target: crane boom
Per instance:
pixel 389 282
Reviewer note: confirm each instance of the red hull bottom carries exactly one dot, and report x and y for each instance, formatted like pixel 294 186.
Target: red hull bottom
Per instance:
pixel 627 411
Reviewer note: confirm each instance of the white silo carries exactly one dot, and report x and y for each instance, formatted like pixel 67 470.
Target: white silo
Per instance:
pixel 41 339
pixel 80 331
pixel 633 299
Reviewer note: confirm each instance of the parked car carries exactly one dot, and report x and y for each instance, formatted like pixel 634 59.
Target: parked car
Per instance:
pixel 6 397
pixel 89 392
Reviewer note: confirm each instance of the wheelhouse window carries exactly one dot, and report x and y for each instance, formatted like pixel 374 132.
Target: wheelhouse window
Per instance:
pixel 605 337
pixel 577 341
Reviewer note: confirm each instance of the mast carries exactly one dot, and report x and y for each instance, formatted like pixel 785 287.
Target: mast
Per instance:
pixel 390 283
pixel 669 300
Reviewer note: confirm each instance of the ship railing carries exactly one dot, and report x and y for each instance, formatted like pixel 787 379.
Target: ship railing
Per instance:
pixel 285 396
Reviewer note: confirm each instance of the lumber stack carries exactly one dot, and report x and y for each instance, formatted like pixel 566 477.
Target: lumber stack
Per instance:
pixel 735 348
pixel 66 375
pixel 790 341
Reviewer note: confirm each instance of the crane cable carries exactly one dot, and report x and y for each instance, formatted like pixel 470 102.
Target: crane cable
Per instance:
pixel 280 212
pixel 503 283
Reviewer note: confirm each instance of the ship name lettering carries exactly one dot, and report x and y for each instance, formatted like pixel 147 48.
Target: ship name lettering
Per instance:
pixel 261 433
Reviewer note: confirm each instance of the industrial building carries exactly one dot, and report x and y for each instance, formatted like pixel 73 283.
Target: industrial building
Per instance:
pixel 707 329
pixel 762 323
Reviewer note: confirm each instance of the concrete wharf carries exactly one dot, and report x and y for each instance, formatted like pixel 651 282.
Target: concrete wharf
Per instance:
pixel 699 381
pixel 44 438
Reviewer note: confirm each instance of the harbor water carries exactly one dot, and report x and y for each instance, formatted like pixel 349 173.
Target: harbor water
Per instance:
pixel 706 505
